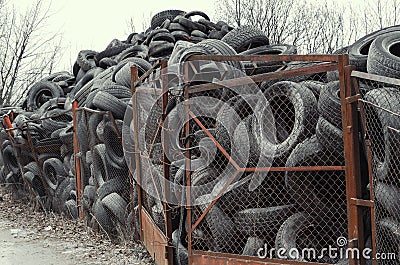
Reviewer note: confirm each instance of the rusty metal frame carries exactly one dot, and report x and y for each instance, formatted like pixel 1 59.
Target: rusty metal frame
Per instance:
pixel 157 243
pixel 355 76
pixel 352 167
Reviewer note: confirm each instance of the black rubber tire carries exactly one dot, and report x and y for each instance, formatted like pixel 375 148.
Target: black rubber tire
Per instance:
pixel 198 34
pixel 245 37
pixel 118 185
pixel 191 25
pixel 160 17
pixel 197 13
pixel 212 47
pixel 330 137
pixel 290 231
pixel 383 56
pixel 222 229
pixel 41 92
pixel 318 192
pixel 293 106
pixel 9 158
pixel 122 72
pixel 160 48
pixel 140 51
pixel 53 170
pixel 252 247
pixel 113 143
pixel 31 167
pixel 388 239
pixel 180 35
pixel 94 121
pixel 35 182
pixel 107 62
pixel 86 59
pixel 108 102
pixel 111 52
pixel 103 219
pixel 59 197
pixel 315 86
pixel 382 129
pixel 116 205
pixel 329 105
pixel 152 34
pixel 261 222
pixel 71 209
pixel 389 197
pixel 178 27
pixel 89 193
pixel 359 50
pixel 181 253
pixel 100 164
pixel 163 36
pixel 56 119
pixel 253 68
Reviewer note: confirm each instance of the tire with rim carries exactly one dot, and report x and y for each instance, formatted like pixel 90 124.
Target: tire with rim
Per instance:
pixel 41 92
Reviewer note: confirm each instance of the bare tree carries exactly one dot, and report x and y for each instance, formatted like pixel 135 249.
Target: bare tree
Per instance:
pixel 27 51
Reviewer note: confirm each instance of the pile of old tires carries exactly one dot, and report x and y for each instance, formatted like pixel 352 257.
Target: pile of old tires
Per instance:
pixel 282 207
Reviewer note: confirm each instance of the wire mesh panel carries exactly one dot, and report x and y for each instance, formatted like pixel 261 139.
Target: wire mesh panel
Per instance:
pixel 106 183
pixel 266 164
pixel 380 108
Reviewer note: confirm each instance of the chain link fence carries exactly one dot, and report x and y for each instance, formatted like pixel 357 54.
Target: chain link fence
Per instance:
pixel 108 197
pixel 266 167
pixel 380 113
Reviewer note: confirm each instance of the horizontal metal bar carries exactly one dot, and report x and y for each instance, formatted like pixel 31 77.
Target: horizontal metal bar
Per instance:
pixel 326 67
pixel 364 203
pixel 269 58
pixel 377 78
pixel 213 258
pixel 353 99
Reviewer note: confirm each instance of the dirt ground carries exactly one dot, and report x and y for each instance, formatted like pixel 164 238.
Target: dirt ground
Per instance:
pixel 28 237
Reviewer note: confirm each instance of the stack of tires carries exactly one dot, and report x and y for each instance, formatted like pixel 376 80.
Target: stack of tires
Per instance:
pixel 265 208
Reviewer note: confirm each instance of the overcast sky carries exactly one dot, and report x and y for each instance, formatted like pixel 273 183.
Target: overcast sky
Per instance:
pixel 92 24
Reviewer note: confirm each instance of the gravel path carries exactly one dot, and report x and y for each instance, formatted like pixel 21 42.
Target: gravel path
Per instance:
pixel 28 237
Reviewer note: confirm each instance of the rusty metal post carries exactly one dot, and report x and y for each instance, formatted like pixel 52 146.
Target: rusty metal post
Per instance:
pixel 77 156
pixel 352 158
pixel 134 79
pixel 188 162
pixel 166 163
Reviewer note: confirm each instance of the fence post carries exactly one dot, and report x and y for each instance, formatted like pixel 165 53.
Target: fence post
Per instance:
pixel 134 80
pixel 77 162
pixel 352 158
